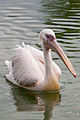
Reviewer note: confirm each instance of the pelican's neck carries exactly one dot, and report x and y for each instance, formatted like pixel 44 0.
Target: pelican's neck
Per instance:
pixel 50 78
pixel 47 59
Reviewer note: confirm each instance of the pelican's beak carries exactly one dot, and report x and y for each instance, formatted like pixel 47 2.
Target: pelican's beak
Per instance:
pixel 55 46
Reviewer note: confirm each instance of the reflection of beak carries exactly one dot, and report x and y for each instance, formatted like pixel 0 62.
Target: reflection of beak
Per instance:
pixel 55 46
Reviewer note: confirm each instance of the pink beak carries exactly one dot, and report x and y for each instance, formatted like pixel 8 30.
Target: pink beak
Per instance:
pixel 55 46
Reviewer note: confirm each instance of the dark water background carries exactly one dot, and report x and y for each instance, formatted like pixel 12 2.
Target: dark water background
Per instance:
pixel 22 20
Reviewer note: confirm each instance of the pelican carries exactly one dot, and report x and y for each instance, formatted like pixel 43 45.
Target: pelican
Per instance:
pixel 33 69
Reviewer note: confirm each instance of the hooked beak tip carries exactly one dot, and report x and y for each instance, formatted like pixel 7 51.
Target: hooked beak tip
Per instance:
pixel 75 75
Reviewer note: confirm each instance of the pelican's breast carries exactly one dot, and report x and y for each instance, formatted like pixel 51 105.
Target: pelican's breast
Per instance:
pixel 51 84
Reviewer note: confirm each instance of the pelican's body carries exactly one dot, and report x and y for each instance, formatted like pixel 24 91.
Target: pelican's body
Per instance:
pixel 33 69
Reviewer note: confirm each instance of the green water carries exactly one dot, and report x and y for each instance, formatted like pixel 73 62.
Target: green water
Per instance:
pixel 21 21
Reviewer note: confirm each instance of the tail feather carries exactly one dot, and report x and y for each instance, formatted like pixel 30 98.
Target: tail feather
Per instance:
pixel 9 65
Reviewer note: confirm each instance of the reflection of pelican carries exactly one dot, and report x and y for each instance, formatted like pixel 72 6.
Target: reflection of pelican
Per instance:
pixel 35 70
pixel 35 101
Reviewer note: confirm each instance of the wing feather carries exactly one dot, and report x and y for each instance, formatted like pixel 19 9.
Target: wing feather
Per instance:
pixel 25 69
pixel 37 55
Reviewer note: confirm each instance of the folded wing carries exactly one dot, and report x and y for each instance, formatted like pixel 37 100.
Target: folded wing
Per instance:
pixel 25 69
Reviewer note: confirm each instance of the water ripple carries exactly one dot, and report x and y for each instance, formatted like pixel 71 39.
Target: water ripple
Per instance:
pixel 22 21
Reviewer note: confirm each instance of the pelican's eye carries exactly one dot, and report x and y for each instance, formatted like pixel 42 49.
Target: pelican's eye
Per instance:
pixel 50 37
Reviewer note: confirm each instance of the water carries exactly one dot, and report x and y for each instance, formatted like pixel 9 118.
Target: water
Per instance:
pixel 22 21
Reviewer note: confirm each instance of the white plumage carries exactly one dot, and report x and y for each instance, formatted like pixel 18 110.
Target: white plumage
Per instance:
pixel 33 69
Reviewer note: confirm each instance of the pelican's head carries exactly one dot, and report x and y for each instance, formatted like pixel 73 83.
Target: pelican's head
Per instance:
pixel 47 36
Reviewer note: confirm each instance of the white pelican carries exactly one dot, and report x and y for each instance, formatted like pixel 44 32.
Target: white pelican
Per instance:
pixel 33 69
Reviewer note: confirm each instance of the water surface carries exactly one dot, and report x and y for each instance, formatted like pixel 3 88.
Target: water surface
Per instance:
pixel 21 21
